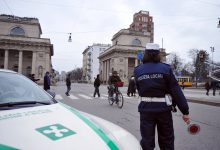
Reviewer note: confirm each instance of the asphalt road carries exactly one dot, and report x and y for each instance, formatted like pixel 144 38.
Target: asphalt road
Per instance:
pixel 128 117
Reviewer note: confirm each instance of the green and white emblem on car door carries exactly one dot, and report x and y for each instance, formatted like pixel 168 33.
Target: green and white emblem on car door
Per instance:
pixel 55 131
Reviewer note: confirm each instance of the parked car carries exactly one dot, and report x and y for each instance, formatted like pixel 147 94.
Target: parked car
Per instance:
pixel 30 118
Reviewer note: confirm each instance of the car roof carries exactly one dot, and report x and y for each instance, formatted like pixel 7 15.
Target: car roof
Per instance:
pixel 7 71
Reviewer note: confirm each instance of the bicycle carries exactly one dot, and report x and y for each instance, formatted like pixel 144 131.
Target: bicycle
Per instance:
pixel 117 96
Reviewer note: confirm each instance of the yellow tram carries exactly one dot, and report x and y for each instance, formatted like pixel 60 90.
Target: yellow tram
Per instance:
pixel 185 81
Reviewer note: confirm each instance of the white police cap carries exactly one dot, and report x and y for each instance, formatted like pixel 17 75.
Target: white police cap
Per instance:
pixel 152 47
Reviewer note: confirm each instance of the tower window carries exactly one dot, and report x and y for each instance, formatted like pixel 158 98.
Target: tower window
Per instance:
pixel 136 42
pixel 17 31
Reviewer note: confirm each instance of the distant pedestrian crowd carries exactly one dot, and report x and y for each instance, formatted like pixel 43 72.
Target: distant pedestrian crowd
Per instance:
pixel 214 85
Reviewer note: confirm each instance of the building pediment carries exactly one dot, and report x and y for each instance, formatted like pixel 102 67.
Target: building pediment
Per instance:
pixel 25 43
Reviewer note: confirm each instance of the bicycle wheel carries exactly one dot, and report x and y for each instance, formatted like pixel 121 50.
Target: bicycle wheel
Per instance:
pixel 110 101
pixel 120 101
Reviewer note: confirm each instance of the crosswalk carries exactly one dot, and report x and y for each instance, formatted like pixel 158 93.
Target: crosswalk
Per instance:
pixel 77 96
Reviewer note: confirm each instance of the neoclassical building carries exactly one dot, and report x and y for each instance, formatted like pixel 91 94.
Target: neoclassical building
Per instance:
pixel 126 44
pixel 21 47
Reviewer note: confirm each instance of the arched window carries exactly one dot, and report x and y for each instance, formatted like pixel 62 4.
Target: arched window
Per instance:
pixel 136 42
pixel 17 31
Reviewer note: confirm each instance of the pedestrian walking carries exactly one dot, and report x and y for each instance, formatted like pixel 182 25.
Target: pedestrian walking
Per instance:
pixel 97 83
pixel 131 87
pixel 68 85
pixel 207 87
pixel 183 86
pixel 214 86
pixel 33 78
pixel 155 83
pixel 47 81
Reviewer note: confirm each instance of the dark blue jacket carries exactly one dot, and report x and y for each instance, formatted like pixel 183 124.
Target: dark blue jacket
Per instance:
pixel 156 80
pixel 46 82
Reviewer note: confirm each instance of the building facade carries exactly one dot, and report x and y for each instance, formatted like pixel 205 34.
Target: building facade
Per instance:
pixel 143 22
pixel 91 61
pixel 126 44
pixel 21 47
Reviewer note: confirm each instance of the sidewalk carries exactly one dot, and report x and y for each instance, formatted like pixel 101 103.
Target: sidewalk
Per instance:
pixel 199 96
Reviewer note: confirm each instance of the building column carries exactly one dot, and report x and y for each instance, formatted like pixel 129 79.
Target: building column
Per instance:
pixel 107 69
pixel 136 62
pixel 102 71
pixel 104 65
pixel 6 59
pixel 34 59
pixel 126 67
pixel 48 62
pixel 20 60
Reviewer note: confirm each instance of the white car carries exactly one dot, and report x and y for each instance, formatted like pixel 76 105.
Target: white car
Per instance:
pixel 31 119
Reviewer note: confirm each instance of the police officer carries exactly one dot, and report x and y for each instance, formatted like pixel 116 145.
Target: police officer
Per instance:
pixel 155 84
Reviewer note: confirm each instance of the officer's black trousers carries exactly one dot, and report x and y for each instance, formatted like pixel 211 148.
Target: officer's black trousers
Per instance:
pixel 164 123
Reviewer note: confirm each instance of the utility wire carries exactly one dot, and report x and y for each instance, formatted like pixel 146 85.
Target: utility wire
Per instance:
pixel 80 32
pixel 61 5
pixel 110 30
pixel 8 7
pixel 103 10
pixel 218 5
pixel 183 22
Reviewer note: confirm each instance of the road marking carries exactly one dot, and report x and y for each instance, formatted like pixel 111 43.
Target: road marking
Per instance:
pixel 58 97
pixel 73 97
pixel 126 96
pixel 105 95
pixel 84 96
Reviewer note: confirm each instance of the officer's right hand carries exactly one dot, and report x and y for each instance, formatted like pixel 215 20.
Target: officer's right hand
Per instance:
pixel 186 119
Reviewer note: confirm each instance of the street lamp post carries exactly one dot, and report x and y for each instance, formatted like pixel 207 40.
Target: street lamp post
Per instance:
pixel 212 50
pixel 218 23
pixel 212 66
pixel 70 37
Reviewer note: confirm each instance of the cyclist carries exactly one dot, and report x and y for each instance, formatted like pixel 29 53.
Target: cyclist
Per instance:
pixel 112 81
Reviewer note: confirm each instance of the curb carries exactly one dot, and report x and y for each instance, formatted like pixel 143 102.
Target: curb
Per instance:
pixel 211 103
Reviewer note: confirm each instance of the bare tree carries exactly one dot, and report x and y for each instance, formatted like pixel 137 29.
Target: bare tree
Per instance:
pixel 76 74
pixel 175 62
pixel 200 69
pixel 187 69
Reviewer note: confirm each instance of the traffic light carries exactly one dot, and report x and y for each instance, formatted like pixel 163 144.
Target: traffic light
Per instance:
pixel 202 55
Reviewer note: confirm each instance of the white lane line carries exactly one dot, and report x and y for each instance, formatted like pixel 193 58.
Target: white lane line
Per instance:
pixel 73 97
pixel 126 96
pixel 58 97
pixel 84 96
pixel 105 95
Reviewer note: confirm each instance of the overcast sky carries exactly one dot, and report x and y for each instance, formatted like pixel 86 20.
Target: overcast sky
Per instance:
pixel 183 24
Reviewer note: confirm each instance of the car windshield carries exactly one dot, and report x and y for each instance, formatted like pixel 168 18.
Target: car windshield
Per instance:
pixel 15 88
